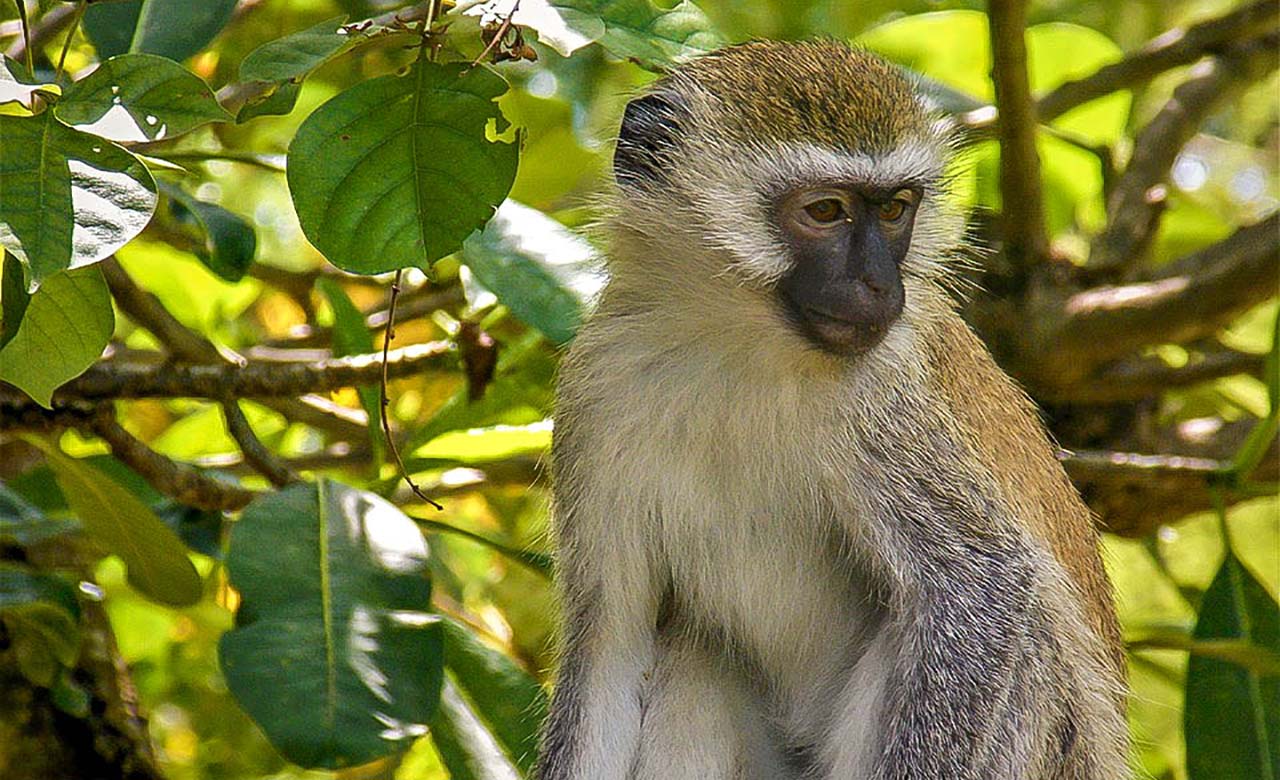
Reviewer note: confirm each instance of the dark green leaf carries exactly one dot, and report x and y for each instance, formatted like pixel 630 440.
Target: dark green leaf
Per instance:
pixel 229 240
pixel 155 557
pixel 46 168
pixel 513 257
pixel 1232 714
pixel 139 97
pixel 510 702
pixel 13 297
pixel 467 749
pixel 335 654
pixel 296 55
pixel 67 324
pixel 171 28
pixel 277 102
pixel 351 336
pixel 396 171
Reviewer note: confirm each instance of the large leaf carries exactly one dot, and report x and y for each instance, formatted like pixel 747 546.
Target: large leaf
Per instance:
pixel 510 702
pixel 67 198
pixel 230 242
pixel 334 654
pixel 396 171
pixel 64 328
pixel 156 559
pixel 139 97
pixel 171 28
pixel 1232 713
pixel 518 257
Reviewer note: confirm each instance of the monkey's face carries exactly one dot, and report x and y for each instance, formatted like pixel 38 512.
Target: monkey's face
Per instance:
pixel 847 244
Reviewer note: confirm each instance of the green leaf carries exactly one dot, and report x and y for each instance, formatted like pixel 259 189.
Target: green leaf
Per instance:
pixel 156 559
pixel 286 61
pixel 466 748
pixel 351 336
pixel 514 256
pixel 13 297
pixel 1232 717
pixel 41 615
pixel 335 654
pixel 396 171
pixel 296 55
pixel 170 28
pixel 70 198
pixel 230 242
pixel 637 30
pixel 67 324
pixel 507 699
pixel 139 97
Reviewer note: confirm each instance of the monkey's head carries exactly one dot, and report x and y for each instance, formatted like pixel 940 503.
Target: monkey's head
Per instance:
pixel 806 173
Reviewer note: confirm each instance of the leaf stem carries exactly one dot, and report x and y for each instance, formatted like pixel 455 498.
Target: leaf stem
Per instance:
pixel 26 36
pixel 66 44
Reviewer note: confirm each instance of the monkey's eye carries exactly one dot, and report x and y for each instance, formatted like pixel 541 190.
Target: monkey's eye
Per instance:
pixel 826 211
pixel 896 207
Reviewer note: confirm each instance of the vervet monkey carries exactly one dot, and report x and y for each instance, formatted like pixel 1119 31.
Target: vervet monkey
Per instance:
pixel 806 527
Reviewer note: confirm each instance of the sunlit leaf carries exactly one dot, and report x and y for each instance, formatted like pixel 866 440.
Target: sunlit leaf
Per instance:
pixel 170 28
pixel 156 559
pixel 139 97
pixel 506 698
pixel 1232 721
pixel 514 257
pixel 468 750
pixel 70 198
pixel 637 30
pixel 64 329
pixel 396 171
pixel 334 654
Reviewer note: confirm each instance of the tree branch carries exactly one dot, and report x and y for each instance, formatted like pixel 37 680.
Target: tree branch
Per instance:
pixel 1022 209
pixel 1186 300
pixel 1179 46
pixel 179 481
pixel 1131 380
pixel 1136 202
pixel 256 454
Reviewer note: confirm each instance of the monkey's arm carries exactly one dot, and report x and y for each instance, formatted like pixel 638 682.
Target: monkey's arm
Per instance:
pixel 998 674
pixel 610 606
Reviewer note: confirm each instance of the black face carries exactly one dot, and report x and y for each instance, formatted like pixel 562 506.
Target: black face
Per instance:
pixel 847 244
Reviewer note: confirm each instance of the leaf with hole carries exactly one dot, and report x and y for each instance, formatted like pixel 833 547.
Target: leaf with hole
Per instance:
pixel 397 171
pixel 139 97
pixel 334 653
pixel 66 325
pixel 1231 714
pixel 70 198
pixel 156 559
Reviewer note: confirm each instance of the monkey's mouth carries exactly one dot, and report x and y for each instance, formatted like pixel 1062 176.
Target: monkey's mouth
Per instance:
pixel 845 334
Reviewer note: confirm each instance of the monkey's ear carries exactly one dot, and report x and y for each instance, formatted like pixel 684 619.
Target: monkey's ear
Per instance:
pixel 651 126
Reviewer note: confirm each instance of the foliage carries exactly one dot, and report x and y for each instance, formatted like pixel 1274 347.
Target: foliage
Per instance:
pixel 199 194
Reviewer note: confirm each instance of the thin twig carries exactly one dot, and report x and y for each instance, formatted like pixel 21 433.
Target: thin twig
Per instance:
pixel 385 400
pixel 42 31
pixel 256 454
pixel 1022 211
